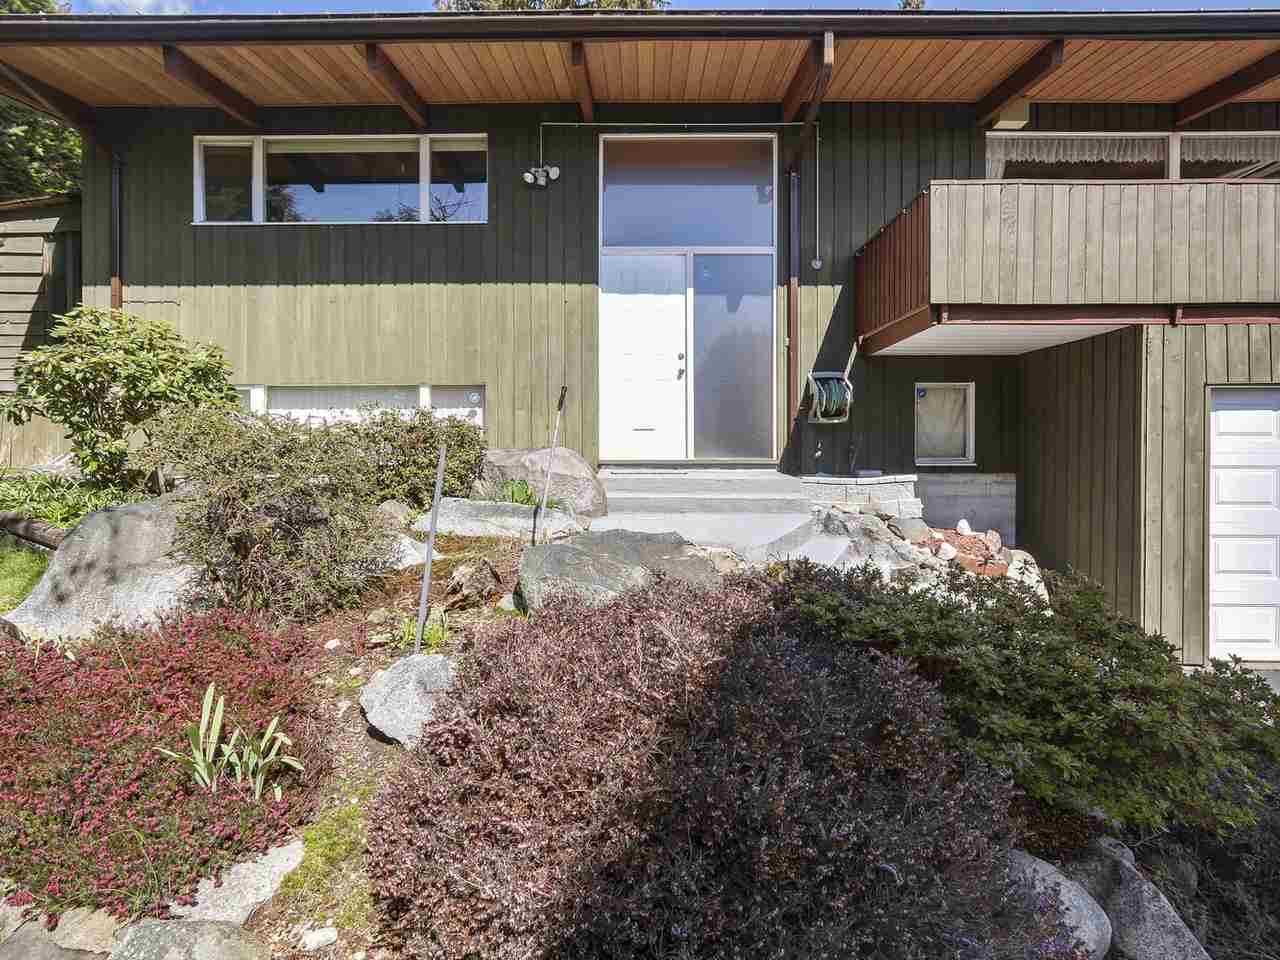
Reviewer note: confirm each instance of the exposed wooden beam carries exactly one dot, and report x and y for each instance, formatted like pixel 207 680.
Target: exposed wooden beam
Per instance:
pixel 822 54
pixel 190 74
pixel 393 81
pixel 1046 60
pixel 899 330
pixel 1230 88
pixel 39 96
pixel 582 81
pixel 808 83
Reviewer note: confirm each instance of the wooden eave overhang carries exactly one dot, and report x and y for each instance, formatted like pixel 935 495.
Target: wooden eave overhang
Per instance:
pixel 243 63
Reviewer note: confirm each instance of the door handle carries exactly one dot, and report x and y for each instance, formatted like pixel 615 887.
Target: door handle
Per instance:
pixel 680 373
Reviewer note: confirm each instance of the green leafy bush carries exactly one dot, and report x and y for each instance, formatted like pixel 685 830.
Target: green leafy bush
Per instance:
pixel 20 570
pixel 106 373
pixel 278 516
pixel 61 501
pixel 519 491
pixel 662 779
pixel 1084 707
pixel 402 448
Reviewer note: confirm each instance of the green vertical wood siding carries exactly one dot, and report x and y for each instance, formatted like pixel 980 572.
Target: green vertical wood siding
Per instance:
pixel 1078 484
pixel 1181 363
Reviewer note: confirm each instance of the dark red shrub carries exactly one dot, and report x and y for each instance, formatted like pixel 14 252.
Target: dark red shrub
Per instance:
pixel 90 813
pixel 660 778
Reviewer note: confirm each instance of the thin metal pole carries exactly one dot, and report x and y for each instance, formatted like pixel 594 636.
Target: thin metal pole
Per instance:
pixel 423 598
pixel 551 459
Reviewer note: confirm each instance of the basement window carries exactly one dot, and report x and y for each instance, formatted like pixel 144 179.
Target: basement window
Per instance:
pixel 342 180
pixel 945 424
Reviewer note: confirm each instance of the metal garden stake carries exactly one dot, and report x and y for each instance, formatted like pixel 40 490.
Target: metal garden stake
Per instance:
pixel 551 458
pixel 424 605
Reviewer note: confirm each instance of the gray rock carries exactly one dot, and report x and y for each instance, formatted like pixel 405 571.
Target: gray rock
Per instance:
pixel 598 567
pixel 399 700
pixel 11 918
pixel 32 942
pixel 471 584
pixel 480 518
pixel 243 887
pixel 1084 918
pixel 871 541
pixel 993 542
pixel 398 514
pixel 115 565
pixel 93 931
pixel 187 940
pixel 912 529
pixel 1144 925
pixel 963 528
pixel 574 482
pixel 313 940
pixel 507 603
pixel 947 552
pixel 407 552
pixel 1024 569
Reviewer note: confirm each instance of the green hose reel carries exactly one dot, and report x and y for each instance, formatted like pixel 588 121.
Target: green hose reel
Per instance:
pixel 831 396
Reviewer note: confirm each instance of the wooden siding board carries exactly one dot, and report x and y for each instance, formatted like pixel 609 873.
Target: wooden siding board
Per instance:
pixel 1193 503
pixel 1152 487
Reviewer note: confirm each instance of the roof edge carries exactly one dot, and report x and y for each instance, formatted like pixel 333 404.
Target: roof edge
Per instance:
pixel 584 25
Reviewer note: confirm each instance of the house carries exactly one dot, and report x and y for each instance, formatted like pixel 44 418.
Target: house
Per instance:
pixel 1030 259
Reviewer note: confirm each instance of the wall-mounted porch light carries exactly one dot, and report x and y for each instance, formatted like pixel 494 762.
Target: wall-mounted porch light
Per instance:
pixel 540 176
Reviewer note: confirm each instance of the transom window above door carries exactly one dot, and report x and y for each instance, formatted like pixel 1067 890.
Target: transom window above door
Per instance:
pixel 369 179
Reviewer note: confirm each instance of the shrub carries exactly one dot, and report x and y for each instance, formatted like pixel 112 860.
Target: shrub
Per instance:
pixel 279 516
pixel 61 501
pixel 1084 707
pixel 106 373
pixel 90 814
pixel 1227 890
pixel 402 447
pixel 657 779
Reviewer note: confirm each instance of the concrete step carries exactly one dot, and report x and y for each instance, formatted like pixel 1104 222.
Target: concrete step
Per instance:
pixel 710 490
pixel 726 501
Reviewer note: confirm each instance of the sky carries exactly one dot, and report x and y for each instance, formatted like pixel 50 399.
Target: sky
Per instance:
pixel 387 6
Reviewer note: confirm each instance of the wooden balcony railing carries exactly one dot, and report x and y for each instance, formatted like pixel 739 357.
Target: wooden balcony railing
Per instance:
pixel 1143 250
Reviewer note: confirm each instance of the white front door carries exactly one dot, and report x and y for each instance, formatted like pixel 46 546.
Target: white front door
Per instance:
pixel 1244 523
pixel 643 341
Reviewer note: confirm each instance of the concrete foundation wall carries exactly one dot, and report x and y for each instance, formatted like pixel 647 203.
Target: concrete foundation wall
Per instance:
pixel 989 501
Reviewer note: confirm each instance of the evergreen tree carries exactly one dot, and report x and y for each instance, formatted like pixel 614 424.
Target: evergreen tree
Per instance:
pixel 38 154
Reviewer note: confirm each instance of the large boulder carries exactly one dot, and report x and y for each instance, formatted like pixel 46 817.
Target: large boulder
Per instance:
pixel 242 888
pixel 187 940
pixel 597 567
pixel 1144 925
pixel 116 565
pixel 399 700
pixel 574 482
pixel 1085 920
pixel 472 584
pixel 481 518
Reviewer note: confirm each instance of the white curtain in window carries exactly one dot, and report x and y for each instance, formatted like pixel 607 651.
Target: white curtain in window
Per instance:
pixel 942 423
pixel 1243 150
pixel 1025 148
pixel 330 404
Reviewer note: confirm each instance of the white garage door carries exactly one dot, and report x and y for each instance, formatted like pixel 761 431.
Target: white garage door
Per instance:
pixel 1244 523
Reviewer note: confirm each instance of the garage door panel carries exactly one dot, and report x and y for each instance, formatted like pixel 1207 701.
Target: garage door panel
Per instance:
pixel 1244 523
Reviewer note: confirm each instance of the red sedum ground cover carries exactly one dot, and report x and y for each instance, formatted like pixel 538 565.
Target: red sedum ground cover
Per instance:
pixel 90 813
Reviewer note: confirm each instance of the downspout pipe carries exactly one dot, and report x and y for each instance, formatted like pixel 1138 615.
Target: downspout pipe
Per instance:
pixel 117 231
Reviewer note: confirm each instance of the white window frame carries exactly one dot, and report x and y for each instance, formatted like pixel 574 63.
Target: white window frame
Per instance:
pixel 970 459
pixel 258 143
pixel 1173 161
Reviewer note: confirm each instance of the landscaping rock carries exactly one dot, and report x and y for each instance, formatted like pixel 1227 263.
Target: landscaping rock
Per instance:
pixel 1024 569
pixel 872 541
pixel 479 518
pixel 115 565
pixel 11 918
pixel 947 552
pixel 471 585
pixel 993 542
pixel 407 552
pixel 1084 918
pixel 314 940
pixel 1144 924
pixel 912 529
pixel 243 887
pixel 32 942
pixel 574 482
pixel 396 512
pixel 507 604
pixel 398 701
pixel 187 940
pixel 598 567
pixel 963 528
pixel 93 931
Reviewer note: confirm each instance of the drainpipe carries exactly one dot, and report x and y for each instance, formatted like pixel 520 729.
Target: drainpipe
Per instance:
pixel 117 232
pixel 793 298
